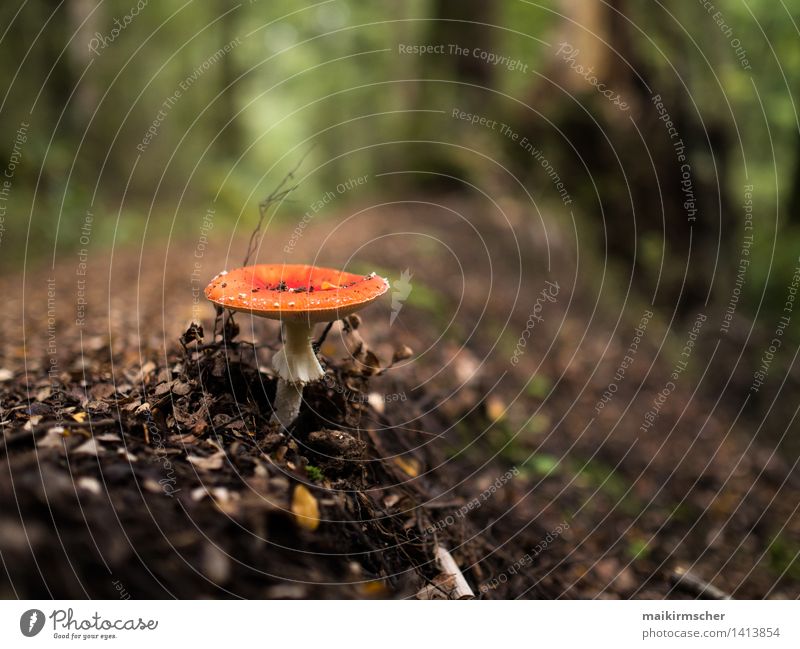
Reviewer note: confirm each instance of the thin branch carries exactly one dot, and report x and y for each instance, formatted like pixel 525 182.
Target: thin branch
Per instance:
pixel 318 344
pixel 691 582
pixel 276 196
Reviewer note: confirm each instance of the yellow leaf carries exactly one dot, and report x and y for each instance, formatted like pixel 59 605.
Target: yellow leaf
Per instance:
pixel 495 408
pixel 409 466
pixel 80 417
pixel 305 508
pixel 374 588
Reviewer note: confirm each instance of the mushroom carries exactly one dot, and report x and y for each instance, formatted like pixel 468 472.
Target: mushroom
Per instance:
pixel 299 296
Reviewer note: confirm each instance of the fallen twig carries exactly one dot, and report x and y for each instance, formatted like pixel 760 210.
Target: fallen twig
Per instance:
pixel 277 194
pixel 318 343
pixel 450 583
pixel 684 579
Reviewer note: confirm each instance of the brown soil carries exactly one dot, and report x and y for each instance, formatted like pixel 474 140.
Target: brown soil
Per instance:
pixel 135 466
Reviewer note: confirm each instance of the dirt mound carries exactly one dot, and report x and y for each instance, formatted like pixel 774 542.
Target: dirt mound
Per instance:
pixel 176 484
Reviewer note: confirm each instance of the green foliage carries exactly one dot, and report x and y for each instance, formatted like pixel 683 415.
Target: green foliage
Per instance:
pixel 783 557
pixel 638 548
pixel 314 473
pixel 326 74
pixel 541 465
pixel 539 386
pixel 606 480
pixel 539 423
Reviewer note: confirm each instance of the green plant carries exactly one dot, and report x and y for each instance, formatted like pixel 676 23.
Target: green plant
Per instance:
pixel 314 473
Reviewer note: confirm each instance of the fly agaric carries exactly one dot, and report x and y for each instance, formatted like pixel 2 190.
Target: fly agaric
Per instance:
pixel 299 296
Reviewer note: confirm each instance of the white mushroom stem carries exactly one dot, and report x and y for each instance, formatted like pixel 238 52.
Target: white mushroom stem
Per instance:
pixel 287 402
pixel 296 364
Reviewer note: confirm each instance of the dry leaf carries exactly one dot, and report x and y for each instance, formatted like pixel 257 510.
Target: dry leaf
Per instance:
pixel 198 493
pixel 90 447
pixel 128 456
pixel 495 408
pixel 54 438
pixel 103 390
pixel 80 417
pixel 210 463
pixel 142 409
pixel 90 484
pixel 186 438
pixel 227 501
pixel 152 486
pixel 147 368
pixel 32 422
pixel 377 402
pixel 163 388
pixel 466 366
pixel 371 364
pixel 402 353
pixel 181 389
pixel 374 589
pixel 305 508
pixel 410 466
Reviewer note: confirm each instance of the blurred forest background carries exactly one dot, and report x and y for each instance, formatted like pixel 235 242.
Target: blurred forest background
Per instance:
pixel 330 74
pixel 233 94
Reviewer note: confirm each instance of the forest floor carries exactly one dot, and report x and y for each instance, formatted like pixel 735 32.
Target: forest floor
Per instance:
pixel 134 466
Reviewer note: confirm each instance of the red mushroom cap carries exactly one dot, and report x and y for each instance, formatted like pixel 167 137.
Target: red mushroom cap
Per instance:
pixel 295 292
